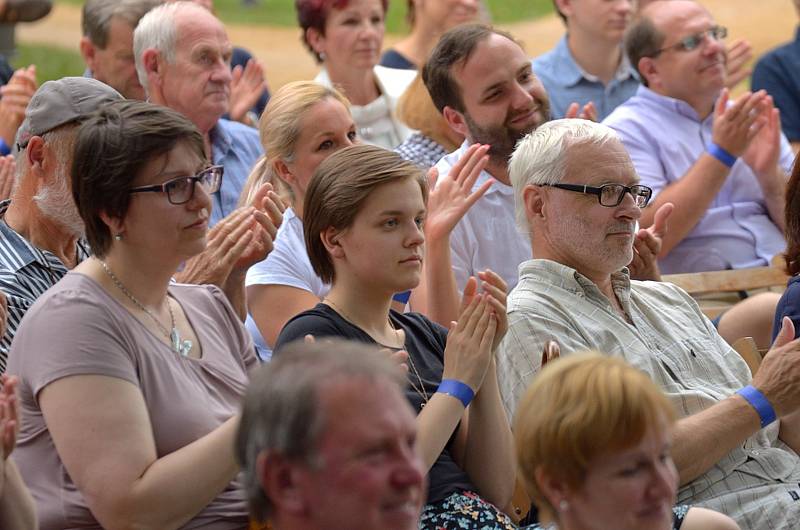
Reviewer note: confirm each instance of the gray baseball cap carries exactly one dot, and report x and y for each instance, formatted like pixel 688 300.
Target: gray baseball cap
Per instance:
pixel 62 101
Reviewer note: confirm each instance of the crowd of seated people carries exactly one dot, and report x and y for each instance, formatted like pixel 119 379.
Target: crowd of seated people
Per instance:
pixel 406 249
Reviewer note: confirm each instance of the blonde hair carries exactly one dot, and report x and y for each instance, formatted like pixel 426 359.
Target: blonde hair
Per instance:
pixel 416 109
pixel 280 127
pixel 581 407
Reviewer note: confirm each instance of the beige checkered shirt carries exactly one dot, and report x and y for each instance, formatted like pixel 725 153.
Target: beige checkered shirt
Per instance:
pixel 669 338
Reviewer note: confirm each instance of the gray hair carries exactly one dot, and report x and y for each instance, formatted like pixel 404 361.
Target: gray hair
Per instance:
pixel 97 14
pixel 541 157
pixel 61 141
pixel 282 412
pixel 157 30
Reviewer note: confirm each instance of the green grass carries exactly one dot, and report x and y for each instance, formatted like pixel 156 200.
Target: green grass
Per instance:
pixel 51 62
pixel 281 12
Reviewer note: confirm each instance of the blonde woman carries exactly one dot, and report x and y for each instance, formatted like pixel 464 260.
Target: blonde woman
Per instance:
pixel 593 439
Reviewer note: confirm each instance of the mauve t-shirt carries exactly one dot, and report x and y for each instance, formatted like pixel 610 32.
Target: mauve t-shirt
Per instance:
pixel 77 328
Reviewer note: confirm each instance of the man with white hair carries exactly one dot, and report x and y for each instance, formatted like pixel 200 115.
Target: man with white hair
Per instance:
pixel 183 61
pixel 40 229
pixel 578 196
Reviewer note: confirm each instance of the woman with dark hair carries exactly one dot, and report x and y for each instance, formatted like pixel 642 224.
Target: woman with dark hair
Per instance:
pixel 789 304
pixel 364 212
pixel 428 19
pixel 129 385
pixel 345 37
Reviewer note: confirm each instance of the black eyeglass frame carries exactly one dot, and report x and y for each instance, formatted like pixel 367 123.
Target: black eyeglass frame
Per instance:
pixel 691 42
pixel 218 171
pixel 594 190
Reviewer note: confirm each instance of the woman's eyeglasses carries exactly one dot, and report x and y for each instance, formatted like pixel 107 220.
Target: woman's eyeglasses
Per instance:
pixel 180 190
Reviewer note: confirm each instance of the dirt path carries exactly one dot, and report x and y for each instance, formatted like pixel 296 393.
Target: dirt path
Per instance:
pixel 765 23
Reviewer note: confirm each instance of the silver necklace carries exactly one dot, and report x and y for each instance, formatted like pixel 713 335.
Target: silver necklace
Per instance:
pixel 182 347
pixel 347 317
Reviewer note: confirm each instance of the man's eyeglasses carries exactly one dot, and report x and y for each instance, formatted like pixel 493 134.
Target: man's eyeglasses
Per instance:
pixel 691 42
pixel 610 195
pixel 180 190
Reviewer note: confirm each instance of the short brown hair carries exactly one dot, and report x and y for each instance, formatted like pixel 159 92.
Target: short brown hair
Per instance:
pixel 642 39
pixel 792 217
pixel 455 47
pixel 338 189
pixel 578 408
pixel 111 147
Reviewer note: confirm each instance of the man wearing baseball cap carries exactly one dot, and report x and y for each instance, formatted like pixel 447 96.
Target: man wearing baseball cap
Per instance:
pixel 40 229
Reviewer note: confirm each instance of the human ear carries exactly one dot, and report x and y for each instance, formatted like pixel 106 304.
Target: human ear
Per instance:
pixel 456 121
pixel 116 225
pixel 316 40
pixel 281 169
pixel 554 489
pixel 533 199
pixel 88 51
pixel 330 237
pixel 648 69
pixel 280 480
pixel 564 7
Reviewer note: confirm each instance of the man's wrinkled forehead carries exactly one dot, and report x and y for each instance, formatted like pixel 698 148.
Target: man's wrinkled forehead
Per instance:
pixel 483 60
pixel 596 164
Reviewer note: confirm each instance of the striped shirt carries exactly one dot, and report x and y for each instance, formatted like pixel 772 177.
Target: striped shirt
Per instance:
pixel 669 338
pixel 26 272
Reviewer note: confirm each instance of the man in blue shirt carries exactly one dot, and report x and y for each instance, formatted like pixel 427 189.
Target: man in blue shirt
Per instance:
pixel 778 72
pixel 588 64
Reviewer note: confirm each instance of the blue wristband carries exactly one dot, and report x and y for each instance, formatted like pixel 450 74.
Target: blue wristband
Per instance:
pixel 4 148
pixel 402 297
pixel 457 389
pixel 759 402
pixel 721 154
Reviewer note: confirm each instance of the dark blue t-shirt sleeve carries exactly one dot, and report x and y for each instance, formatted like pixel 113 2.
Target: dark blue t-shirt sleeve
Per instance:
pixel 779 74
pixel 788 306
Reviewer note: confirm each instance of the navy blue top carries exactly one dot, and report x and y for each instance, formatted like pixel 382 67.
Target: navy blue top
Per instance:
pixel 788 306
pixel 394 59
pixel 425 343
pixel 778 72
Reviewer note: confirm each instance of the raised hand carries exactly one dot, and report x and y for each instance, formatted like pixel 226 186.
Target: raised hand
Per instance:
pixel 497 291
pixel 9 414
pixel 736 125
pixel 451 196
pixel 247 85
pixel 739 53
pixel 469 344
pixel 588 112
pixel 550 352
pixel 764 150
pixel 647 246
pixel 14 99
pixel 778 376
pixel 7 176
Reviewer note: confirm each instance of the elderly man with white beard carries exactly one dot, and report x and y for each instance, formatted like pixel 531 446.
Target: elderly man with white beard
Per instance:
pixel 40 229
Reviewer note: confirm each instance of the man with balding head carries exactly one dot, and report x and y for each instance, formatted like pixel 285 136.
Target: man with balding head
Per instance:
pixel 722 163
pixel 183 62
pixel 578 197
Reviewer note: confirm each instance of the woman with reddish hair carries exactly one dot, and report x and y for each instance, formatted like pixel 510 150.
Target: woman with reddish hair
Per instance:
pixel 346 37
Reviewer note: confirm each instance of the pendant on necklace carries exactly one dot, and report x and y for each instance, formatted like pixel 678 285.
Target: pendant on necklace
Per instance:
pixel 181 347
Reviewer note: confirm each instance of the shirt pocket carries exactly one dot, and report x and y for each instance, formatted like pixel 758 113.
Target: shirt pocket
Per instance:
pixel 698 365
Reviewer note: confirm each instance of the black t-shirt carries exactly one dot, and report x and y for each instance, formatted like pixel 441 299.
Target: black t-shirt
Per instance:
pixel 425 342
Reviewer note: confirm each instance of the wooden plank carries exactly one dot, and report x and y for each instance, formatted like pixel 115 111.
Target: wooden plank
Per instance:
pixel 729 280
